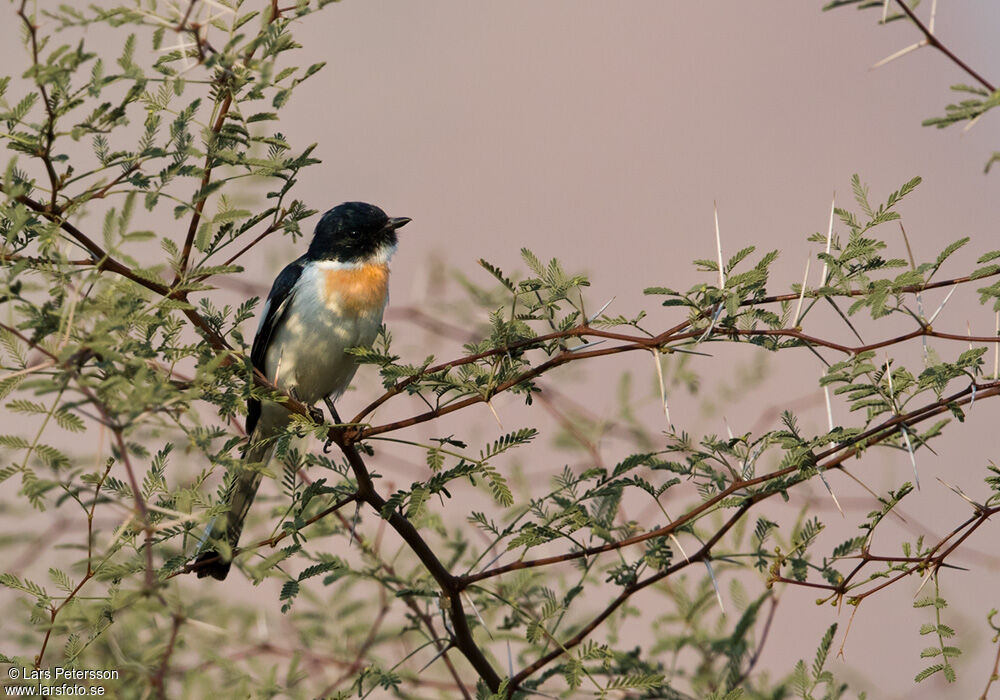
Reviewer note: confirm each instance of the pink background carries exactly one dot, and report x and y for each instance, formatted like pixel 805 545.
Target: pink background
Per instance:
pixel 601 133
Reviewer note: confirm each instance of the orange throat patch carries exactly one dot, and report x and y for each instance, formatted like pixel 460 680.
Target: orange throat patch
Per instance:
pixel 357 291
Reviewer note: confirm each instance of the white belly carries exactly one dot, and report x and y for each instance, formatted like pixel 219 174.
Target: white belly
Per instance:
pixel 309 357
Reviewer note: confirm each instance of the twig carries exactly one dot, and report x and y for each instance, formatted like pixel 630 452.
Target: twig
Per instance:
pixel 932 39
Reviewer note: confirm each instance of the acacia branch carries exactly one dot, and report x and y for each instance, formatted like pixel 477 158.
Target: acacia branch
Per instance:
pixel 932 39
pixel 206 178
pixel 704 553
pixel 449 585
pixel 101 261
pixel 906 289
pixel 837 456
pixel 50 120
pixel 658 342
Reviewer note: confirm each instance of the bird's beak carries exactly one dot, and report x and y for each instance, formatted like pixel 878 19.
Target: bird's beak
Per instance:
pixel 399 222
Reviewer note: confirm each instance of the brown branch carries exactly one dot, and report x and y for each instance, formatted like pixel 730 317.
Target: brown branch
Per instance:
pixel 140 504
pixel 934 559
pixel 870 437
pixel 46 262
pixel 701 555
pixel 995 675
pixel 449 584
pixel 634 343
pixel 103 261
pixel 906 289
pixel 224 107
pixel 760 645
pixel 932 39
pixel 54 611
pixel 206 177
pixel 157 680
pixel 50 121
pixel 409 601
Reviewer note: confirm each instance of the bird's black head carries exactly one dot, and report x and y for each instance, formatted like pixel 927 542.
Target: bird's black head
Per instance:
pixel 355 232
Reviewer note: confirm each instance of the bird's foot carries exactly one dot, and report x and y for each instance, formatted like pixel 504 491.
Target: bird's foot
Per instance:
pixel 317 415
pixel 336 419
pixel 314 413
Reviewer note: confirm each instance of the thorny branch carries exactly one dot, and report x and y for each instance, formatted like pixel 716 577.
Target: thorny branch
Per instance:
pixel 932 40
pixel 346 437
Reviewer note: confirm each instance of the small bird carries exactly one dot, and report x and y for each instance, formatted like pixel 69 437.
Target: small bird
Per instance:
pixel 327 301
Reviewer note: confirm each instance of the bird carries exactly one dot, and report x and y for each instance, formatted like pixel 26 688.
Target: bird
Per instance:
pixel 330 299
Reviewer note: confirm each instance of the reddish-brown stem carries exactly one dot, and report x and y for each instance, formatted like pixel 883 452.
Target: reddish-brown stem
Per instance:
pixel 199 207
pixel 50 121
pixel 936 43
pixel 159 678
pixel 449 584
pixel 140 503
pixel 868 438
pixel 701 555
pixel 633 343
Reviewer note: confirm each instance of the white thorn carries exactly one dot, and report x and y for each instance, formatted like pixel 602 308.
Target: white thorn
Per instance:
pixel 829 238
pixel 174 47
pixel 973 399
pixel 657 360
pixel 495 415
pixel 718 246
pixel 591 319
pixel 711 326
pixel 715 584
pixel 927 577
pixel 885 11
pixel 678 543
pixel 829 409
pixel 492 562
pixel 437 656
pixel 935 315
pixel 960 493
pixel 832 494
pixel 802 294
pixel 913 459
pixel 588 346
pixel 212 18
pixel 747 466
pixel 153 17
pixel 930 25
pixel 900 53
pixel 173 6
pixel 888 374
pixel 222 7
pixel 478 616
pixel 972 122
pixel 968 330
pixel 729 431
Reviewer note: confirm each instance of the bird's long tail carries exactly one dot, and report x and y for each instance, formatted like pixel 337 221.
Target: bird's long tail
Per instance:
pixel 223 531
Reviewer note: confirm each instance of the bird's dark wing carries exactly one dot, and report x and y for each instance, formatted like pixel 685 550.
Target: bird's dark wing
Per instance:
pixel 274 311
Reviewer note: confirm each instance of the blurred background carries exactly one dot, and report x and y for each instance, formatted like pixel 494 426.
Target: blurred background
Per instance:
pixel 601 133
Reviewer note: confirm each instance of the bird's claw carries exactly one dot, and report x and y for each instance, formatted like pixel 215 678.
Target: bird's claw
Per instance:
pixel 317 415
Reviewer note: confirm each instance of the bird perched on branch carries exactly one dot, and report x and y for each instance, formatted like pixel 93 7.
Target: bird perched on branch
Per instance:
pixel 327 301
